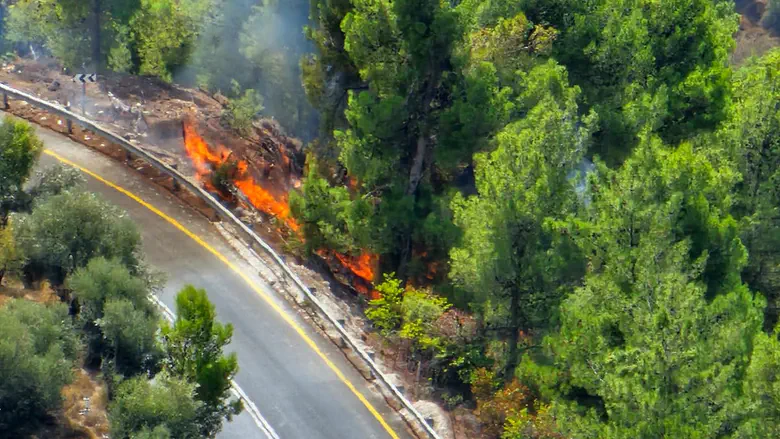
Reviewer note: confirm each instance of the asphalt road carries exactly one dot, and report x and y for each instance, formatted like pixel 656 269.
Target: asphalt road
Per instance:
pixel 293 388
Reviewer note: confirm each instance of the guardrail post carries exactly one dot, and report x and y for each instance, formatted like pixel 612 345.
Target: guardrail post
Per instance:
pixel 342 341
pixel 371 355
pixel 83 98
pixel 5 101
pixel 176 185
pixel 68 121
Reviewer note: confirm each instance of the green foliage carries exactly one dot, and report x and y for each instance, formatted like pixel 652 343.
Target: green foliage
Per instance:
pixel 271 42
pixel 116 315
pixel 164 404
pixel 749 140
pixel 19 150
pixel 37 351
pixel 624 303
pixel 159 432
pixel 511 262
pixel 208 42
pixel 194 351
pixel 328 74
pixel 67 230
pixel 102 280
pixel 130 331
pixel 511 45
pixel 662 328
pixel 139 36
pixel 51 25
pixel 626 53
pixel 420 311
pixel 393 64
pixel 329 216
pixel 483 106
pixel 257 44
pixel 10 259
pixel 541 424
pixel 50 181
pixel 761 390
pixel 241 111
pixel 386 311
pixel 163 32
pixel 54 180
pixel 120 56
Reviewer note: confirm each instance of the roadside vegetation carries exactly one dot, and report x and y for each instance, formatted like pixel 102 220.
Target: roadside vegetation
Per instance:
pixel 578 200
pixel 247 50
pixel 575 205
pixel 163 380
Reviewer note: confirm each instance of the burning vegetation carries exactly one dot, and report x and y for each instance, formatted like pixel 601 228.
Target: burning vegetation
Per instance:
pixel 210 163
pixel 219 171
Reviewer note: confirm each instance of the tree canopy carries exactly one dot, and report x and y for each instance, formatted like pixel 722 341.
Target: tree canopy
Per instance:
pixel 194 351
pixel 592 181
pixel 573 206
pixel 19 150
pixel 37 351
pixel 65 231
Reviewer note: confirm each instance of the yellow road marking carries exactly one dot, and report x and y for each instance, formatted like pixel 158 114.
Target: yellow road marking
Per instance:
pixel 246 279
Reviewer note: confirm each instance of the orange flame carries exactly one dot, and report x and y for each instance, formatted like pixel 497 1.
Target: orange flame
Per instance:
pixel 205 161
pixel 198 150
pixel 363 266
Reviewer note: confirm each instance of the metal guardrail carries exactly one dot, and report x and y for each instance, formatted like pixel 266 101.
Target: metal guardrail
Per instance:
pixel 225 213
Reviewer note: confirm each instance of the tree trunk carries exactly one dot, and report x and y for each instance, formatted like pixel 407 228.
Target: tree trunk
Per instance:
pixel 514 336
pixel 415 175
pixel 417 379
pixel 2 275
pixel 421 147
pixel 97 7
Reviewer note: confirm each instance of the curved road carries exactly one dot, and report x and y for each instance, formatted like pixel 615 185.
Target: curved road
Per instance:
pixel 292 386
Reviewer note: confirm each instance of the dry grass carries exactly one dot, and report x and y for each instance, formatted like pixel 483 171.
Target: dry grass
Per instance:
pixel 92 423
pixel 753 41
pixel 73 421
pixel 13 289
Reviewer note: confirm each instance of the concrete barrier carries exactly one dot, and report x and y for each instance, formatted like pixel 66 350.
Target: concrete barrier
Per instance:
pixel 224 213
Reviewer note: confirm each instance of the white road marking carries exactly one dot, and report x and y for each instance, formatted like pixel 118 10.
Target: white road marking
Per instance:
pixel 250 406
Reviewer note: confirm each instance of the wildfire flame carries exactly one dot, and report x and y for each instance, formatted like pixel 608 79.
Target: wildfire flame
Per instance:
pixel 203 158
pixel 363 266
pixel 206 160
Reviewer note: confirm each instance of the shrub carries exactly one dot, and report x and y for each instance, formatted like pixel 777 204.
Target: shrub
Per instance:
pixel 65 231
pixel 19 150
pixel 37 350
pixel 116 315
pixel 241 111
pixel 165 401
pixel 385 313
